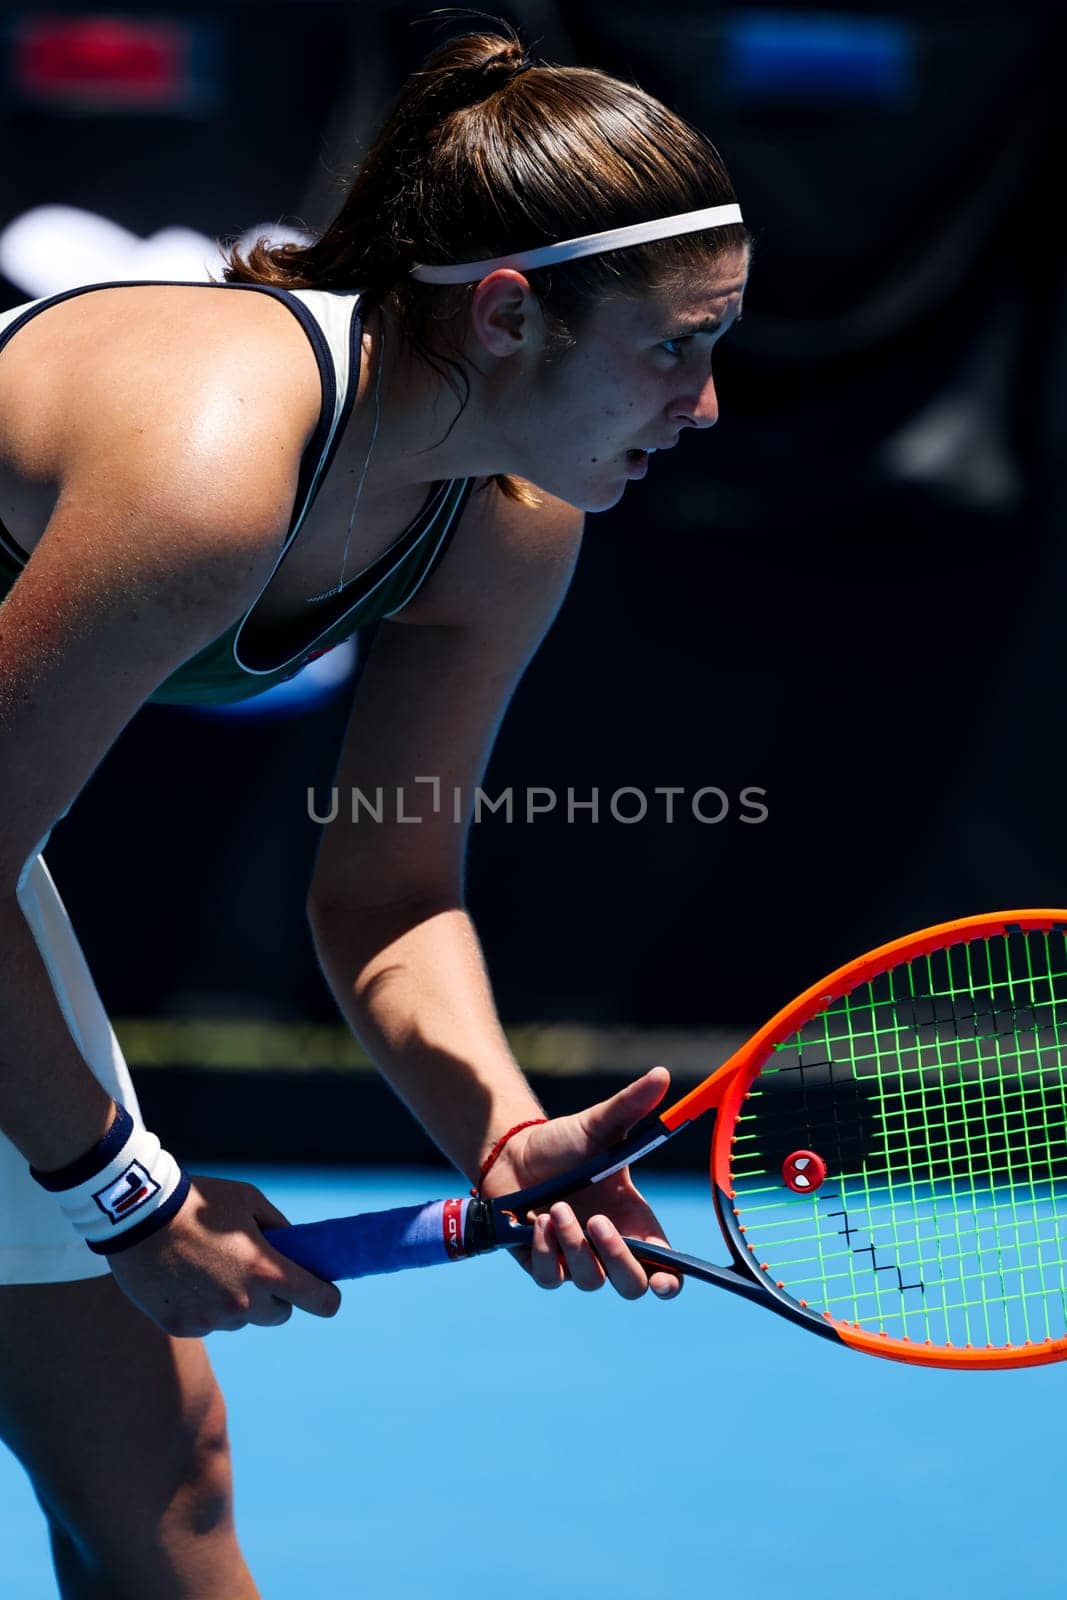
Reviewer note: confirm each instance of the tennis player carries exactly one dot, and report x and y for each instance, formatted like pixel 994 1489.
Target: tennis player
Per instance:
pixel 204 486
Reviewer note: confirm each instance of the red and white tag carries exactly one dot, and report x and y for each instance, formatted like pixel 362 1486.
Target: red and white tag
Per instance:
pixel 453 1218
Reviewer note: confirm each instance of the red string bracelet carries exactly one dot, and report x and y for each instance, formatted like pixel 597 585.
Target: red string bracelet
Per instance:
pixel 483 1170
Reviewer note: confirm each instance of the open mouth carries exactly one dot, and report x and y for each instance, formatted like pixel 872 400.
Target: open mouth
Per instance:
pixel 637 455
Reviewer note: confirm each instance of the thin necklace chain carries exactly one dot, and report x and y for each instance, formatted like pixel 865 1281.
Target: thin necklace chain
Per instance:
pixel 339 585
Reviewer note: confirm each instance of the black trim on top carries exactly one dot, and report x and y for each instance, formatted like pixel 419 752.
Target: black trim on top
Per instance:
pixel 355 362
pixel 309 461
pixel 442 548
pixel 324 360
pixel 280 649
pixel 15 551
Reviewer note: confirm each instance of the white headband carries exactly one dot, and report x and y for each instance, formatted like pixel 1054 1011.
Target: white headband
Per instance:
pixel 593 244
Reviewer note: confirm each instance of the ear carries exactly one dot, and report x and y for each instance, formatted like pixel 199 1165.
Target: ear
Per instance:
pixel 505 314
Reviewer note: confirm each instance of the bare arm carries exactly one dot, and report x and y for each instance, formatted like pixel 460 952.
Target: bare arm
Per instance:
pixel 387 910
pixel 386 904
pixel 152 550
pixel 115 596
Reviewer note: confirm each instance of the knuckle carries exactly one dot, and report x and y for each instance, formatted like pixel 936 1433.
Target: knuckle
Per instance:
pixel 272 1315
pixel 180 1325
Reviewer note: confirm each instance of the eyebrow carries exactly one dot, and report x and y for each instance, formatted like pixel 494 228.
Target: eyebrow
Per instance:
pixel 708 324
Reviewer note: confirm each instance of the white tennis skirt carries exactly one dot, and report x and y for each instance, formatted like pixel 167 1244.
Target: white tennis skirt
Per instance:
pixel 37 1243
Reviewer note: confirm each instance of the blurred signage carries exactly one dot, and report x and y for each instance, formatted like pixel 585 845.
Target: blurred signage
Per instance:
pixel 818 59
pixel 112 64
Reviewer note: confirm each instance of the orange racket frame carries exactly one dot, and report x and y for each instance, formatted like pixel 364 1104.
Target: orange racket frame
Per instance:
pixel 724 1091
pixel 721 1094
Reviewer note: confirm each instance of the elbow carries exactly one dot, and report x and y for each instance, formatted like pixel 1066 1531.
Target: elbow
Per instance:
pixel 336 916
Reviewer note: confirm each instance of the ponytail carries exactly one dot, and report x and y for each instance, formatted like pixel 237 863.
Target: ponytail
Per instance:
pixel 485 152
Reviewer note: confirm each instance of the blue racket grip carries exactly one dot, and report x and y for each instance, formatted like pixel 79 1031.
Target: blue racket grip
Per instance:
pixel 378 1241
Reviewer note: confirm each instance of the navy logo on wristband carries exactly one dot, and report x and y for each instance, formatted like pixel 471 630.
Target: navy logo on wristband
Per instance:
pixel 126 1193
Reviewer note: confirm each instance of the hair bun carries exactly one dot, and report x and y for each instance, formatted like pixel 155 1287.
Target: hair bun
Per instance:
pixel 466 70
pixel 511 60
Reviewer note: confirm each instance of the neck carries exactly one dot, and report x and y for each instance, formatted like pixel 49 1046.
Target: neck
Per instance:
pixel 421 439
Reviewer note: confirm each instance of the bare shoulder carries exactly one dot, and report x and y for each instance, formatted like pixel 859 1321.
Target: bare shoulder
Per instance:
pixel 202 398
pixel 508 563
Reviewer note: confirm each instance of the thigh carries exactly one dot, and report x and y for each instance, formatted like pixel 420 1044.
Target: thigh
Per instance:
pixel 123 1432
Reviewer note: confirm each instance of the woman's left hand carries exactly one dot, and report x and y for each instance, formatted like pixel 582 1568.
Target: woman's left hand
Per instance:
pixel 582 1238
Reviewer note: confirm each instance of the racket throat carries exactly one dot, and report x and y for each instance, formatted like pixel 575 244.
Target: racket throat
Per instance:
pixel 734 1281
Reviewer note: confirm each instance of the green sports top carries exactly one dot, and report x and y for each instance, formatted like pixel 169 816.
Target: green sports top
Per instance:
pixel 249 657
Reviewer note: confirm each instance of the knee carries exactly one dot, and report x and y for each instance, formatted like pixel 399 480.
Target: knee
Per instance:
pixel 203 1479
pixel 170 1504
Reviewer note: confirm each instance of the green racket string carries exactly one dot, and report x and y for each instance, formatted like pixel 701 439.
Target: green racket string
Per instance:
pixel 936 1094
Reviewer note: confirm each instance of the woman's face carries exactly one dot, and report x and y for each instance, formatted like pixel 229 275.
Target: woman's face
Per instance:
pixel 579 425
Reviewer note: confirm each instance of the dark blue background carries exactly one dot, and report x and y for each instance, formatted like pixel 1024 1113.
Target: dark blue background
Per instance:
pixel 792 602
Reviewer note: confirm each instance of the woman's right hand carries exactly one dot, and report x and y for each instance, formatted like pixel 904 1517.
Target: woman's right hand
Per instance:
pixel 210 1268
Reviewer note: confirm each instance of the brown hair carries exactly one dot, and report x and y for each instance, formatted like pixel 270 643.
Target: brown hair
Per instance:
pixel 474 161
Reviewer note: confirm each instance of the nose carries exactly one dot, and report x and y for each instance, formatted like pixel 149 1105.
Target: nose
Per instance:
pixel 699 409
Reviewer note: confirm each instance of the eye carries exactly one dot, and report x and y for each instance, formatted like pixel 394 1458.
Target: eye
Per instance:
pixel 683 338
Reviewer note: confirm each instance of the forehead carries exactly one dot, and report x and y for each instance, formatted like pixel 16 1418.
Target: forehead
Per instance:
pixel 710 295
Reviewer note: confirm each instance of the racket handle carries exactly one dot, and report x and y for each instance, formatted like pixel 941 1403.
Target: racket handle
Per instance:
pixel 385 1241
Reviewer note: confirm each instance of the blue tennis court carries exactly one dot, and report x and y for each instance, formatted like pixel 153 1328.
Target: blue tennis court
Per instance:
pixel 456 1432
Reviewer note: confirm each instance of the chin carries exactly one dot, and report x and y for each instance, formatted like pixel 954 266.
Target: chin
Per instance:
pixel 603 500
pixel 584 496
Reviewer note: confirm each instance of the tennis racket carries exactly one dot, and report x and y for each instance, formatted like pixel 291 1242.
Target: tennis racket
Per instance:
pixel 888 1158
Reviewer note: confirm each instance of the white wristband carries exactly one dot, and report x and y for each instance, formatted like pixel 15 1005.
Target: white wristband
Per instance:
pixel 125 1188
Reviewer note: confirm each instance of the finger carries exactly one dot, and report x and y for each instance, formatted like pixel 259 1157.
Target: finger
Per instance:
pixel 546 1267
pixel 665 1285
pixel 295 1285
pixel 302 1289
pixel 271 1312
pixel 262 1308
pixel 625 1273
pixel 611 1120
pixel 583 1268
pixel 226 1322
pixel 266 1214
